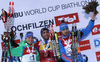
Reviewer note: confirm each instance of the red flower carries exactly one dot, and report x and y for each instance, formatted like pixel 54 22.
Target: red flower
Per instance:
pixel 89 2
pixel 87 5
pixel 89 9
pixel 94 2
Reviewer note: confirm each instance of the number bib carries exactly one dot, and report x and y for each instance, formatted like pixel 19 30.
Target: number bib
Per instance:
pixel 29 58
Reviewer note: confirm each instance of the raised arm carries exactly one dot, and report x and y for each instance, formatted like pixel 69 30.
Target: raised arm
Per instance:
pixel 88 29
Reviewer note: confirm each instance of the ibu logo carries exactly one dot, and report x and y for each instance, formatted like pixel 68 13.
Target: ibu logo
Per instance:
pixel 97 42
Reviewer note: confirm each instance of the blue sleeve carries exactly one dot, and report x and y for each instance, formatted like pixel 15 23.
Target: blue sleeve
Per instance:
pixel 23 50
pixel 62 51
pixel 87 30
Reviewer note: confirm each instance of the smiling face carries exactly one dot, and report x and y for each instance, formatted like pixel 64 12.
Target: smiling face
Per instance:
pixel 65 32
pixel 45 35
pixel 29 40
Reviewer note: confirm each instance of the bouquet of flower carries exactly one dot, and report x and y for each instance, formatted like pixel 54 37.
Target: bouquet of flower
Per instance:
pixel 91 7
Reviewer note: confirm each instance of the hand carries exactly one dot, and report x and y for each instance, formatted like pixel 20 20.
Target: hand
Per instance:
pixel 94 15
pixel 3 12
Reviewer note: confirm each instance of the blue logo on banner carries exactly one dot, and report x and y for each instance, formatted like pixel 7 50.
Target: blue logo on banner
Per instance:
pixel 97 42
pixel 14 59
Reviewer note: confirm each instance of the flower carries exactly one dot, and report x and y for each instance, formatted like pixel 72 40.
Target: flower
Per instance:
pixel 91 7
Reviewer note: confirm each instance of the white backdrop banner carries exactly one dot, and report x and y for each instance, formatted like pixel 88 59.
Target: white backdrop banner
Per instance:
pixel 32 15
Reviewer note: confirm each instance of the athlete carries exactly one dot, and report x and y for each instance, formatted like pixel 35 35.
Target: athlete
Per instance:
pixel 26 50
pixel 45 47
pixel 65 42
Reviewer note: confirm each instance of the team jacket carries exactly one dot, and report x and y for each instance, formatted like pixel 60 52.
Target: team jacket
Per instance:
pixel 65 44
pixel 41 46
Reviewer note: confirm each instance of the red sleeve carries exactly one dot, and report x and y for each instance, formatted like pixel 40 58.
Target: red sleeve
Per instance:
pixel 36 44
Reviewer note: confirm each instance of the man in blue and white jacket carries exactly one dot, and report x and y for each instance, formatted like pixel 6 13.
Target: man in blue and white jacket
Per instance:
pixel 66 39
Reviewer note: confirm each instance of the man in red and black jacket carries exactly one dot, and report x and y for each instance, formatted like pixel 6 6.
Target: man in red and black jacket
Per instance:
pixel 45 47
